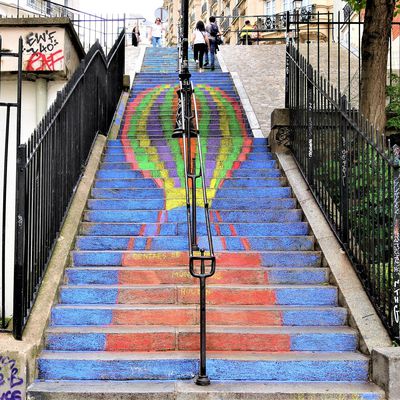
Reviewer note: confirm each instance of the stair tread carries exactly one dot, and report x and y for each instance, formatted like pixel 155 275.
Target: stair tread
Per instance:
pixel 228 355
pixel 218 388
pixel 214 286
pixel 227 307
pixel 277 330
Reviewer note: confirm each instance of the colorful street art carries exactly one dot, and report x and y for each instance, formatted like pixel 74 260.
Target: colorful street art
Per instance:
pixel 128 309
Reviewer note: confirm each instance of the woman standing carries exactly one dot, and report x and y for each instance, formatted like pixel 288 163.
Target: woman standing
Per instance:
pixel 200 44
pixel 135 37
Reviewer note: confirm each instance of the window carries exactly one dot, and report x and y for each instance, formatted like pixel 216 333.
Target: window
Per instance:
pixel 288 5
pixel 270 7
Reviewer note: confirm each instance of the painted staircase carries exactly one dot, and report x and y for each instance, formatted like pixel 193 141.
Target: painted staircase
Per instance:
pixel 127 320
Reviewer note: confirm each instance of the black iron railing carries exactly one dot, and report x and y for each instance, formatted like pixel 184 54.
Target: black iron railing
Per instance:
pixel 50 165
pixel 201 261
pixel 11 117
pixel 354 176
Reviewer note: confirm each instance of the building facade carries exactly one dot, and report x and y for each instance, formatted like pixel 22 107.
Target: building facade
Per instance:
pixel 231 15
pixel 30 8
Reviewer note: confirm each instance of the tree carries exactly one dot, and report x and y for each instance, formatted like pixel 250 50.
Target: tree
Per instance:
pixel 374 51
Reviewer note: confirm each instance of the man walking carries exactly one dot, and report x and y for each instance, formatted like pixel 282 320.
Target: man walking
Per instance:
pixel 213 34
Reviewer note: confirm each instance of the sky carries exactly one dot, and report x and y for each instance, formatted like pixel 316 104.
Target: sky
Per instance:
pixel 137 7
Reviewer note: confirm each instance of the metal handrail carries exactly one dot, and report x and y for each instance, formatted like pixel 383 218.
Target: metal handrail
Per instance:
pixel 202 263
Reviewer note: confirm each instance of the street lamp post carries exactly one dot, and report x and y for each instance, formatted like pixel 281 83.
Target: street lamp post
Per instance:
pixel 296 9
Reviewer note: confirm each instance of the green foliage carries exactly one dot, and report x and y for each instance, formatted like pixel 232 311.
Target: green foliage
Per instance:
pixel 393 91
pixel 357 5
pixel 370 201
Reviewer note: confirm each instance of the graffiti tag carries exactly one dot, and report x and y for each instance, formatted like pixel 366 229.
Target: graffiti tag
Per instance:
pixel 9 377
pixel 43 51
pixel 43 62
pixel 41 42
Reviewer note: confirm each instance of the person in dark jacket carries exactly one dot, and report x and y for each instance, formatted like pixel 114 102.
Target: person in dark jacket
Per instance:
pixel 135 37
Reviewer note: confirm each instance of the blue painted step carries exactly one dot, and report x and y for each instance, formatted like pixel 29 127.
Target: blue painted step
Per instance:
pixel 291 243
pixel 267 259
pixel 224 229
pixel 258 366
pixel 86 315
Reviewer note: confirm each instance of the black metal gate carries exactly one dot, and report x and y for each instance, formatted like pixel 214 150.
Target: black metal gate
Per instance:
pixel 10 127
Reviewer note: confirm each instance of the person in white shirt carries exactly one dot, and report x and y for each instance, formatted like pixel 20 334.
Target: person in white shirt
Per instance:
pixel 200 43
pixel 156 31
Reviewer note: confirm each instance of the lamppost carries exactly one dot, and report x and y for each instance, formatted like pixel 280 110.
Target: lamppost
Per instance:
pixel 296 9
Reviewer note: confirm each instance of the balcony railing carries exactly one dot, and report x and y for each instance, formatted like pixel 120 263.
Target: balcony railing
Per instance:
pixel 307 13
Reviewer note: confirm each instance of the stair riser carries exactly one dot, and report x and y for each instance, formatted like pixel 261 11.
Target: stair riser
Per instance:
pixel 189 341
pixel 182 276
pixel 130 174
pixel 170 157
pixel 253 142
pixel 312 296
pixel 217 204
pixel 190 316
pixel 174 259
pixel 169 229
pixel 240 184
pixel 270 193
pixel 179 215
pixel 297 371
pixel 181 243
pixel 209 165
pixel 146 147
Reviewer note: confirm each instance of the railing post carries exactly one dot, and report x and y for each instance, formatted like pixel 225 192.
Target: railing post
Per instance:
pixel 20 245
pixel 396 243
pixel 344 164
pixel 287 77
pixel 310 109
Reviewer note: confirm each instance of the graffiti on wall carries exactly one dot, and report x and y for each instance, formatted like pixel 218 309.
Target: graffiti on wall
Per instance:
pixel 10 380
pixel 43 49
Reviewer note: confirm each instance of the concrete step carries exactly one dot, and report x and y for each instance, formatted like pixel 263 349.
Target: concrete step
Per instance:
pixel 181 275
pixel 216 173
pixel 294 367
pixel 239 183
pixel 161 146
pixel 157 314
pixel 157 243
pixel 209 166
pixel 172 157
pixel 179 214
pixel 254 142
pixel 216 204
pixel 217 229
pixel 300 295
pixel 186 338
pixel 185 390
pixel 223 193
pixel 292 259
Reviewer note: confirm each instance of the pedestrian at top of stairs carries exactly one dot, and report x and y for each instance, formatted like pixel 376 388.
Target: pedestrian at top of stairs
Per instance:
pixel 156 32
pixel 245 36
pixel 135 37
pixel 214 37
pixel 200 43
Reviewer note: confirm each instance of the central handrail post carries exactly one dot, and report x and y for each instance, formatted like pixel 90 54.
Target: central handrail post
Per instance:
pixel 203 379
pixel 187 130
